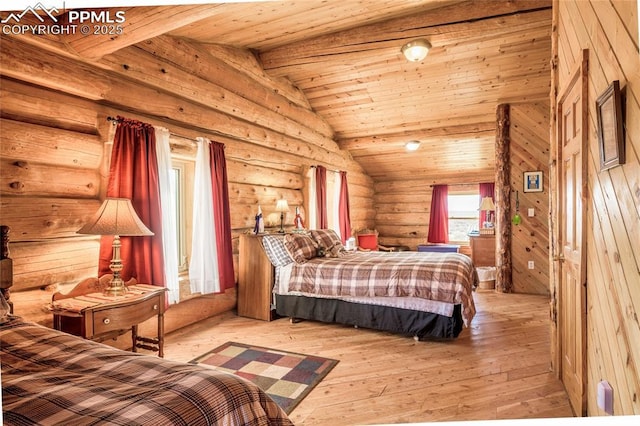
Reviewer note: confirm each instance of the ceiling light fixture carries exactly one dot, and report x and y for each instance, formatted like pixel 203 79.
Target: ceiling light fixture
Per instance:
pixel 412 145
pixel 416 50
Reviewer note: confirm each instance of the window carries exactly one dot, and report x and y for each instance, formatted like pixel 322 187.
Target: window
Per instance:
pixel 463 215
pixel 182 185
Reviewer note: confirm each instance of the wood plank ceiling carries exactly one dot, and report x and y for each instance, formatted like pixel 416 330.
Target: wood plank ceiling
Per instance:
pixel 345 56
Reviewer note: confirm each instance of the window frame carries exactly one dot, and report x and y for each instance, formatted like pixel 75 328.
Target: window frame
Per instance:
pixel 186 169
pixel 465 191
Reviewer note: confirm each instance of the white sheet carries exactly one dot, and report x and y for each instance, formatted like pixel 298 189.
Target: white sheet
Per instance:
pixel 283 274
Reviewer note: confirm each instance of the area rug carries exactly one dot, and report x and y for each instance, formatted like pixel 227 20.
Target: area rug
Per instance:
pixel 287 377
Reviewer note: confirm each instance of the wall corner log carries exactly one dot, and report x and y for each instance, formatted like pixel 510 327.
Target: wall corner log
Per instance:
pixel 504 282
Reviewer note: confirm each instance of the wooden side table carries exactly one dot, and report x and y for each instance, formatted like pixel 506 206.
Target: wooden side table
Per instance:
pixel 255 280
pixel 94 316
pixel 483 249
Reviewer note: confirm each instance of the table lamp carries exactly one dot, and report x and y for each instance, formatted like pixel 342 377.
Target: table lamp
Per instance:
pixel 116 217
pixel 282 206
pixel 488 206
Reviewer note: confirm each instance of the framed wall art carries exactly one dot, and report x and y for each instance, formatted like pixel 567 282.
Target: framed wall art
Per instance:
pixel 610 127
pixel 532 181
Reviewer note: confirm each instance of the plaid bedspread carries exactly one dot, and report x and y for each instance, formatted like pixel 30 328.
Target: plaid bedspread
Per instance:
pixel 445 277
pixel 49 377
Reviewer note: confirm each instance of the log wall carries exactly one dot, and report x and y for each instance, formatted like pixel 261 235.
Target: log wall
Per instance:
pixel 53 149
pixel 609 30
pixel 403 207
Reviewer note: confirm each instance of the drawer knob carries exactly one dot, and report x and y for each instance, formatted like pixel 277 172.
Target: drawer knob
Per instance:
pixel 155 307
pixel 106 320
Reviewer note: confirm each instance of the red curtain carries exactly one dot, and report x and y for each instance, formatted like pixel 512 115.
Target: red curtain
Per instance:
pixel 439 216
pixel 344 215
pixel 321 197
pixel 133 174
pixel 486 190
pixel 220 188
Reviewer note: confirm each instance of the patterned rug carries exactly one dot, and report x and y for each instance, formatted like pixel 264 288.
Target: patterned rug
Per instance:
pixel 286 376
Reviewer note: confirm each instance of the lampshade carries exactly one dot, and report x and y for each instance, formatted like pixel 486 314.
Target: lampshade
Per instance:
pixel 282 206
pixel 412 145
pixel 416 50
pixel 487 204
pixel 116 216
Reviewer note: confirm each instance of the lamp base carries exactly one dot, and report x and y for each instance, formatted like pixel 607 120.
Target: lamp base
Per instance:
pixel 116 287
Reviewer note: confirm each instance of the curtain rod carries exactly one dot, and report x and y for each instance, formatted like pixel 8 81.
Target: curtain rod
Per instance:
pixel 336 171
pixel 116 120
pixel 457 184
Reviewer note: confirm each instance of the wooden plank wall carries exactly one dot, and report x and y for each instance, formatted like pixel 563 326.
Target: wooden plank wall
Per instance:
pixel 54 130
pixel 529 149
pixel 609 30
pixel 403 207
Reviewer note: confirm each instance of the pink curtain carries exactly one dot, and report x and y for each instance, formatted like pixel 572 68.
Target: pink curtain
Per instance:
pixel 133 174
pixel 321 197
pixel 486 190
pixel 343 215
pixel 439 216
pixel 222 215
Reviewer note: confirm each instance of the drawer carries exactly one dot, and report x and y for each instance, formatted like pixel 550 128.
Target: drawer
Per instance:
pixel 122 317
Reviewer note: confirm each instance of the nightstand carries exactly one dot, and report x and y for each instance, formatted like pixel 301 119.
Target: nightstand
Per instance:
pixel 483 249
pixel 255 280
pixel 94 316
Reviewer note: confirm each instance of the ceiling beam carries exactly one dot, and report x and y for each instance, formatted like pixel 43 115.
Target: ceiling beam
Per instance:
pixel 397 139
pixel 140 23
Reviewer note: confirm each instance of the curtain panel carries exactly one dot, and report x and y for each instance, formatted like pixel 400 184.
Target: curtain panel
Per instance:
pixel 222 216
pixel 204 277
pixel 169 220
pixel 344 211
pixel 133 174
pixel 321 197
pixel 439 215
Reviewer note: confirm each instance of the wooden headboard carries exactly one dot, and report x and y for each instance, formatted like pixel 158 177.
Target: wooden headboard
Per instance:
pixel 6 266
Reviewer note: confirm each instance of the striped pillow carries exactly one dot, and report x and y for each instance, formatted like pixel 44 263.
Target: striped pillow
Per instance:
pixel 300 247
pixel 327 238
pixel 275 250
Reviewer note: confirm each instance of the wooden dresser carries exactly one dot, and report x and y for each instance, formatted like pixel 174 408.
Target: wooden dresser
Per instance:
pixel 255 279
pixel 483 249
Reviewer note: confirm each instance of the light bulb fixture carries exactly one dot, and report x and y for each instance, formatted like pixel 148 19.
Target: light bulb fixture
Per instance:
pixel 416 50
pixel 412 145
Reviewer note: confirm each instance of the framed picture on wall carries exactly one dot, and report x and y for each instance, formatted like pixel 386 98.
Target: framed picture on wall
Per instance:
pixel 610 128
pixel 532 181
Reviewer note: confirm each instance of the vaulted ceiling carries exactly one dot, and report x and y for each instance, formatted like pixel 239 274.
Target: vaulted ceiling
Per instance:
pixel 345 56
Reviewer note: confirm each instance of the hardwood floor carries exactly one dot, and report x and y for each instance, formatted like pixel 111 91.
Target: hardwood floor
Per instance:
pixel 499 368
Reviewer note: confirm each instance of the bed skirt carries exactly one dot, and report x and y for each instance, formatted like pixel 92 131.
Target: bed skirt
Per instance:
pixel 420 325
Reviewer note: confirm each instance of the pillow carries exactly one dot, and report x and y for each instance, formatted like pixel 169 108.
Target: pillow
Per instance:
pixel 327 238
pixel 5 310
pixel 300 247
pixel 275 250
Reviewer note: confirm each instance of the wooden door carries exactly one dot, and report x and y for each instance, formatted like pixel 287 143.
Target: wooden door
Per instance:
pixel 571 261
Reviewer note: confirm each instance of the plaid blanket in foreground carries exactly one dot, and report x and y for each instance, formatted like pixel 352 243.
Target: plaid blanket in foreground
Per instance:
pixel 49 377
pixel 445 277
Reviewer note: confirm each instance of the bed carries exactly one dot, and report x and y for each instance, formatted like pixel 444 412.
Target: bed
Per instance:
pixel 50 377
pixel 421 294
